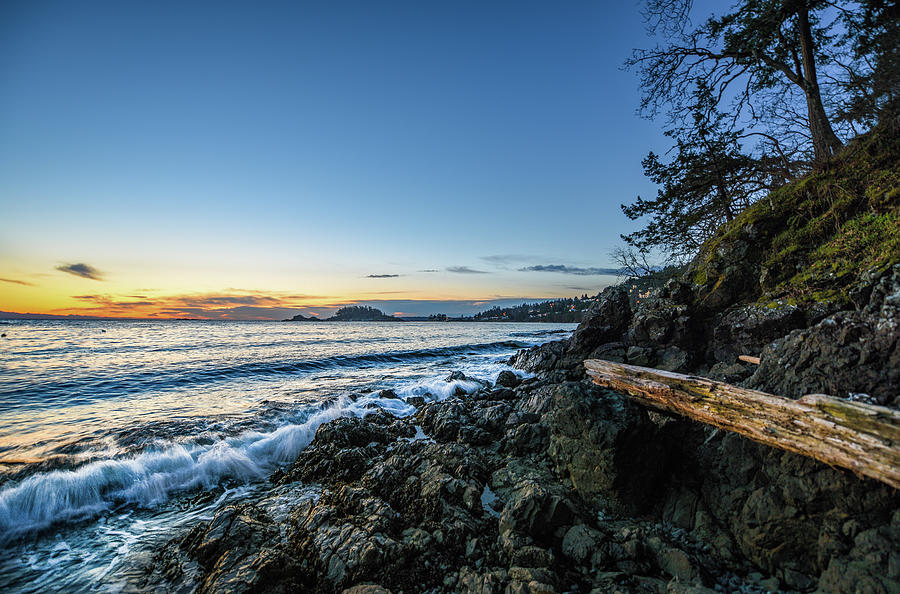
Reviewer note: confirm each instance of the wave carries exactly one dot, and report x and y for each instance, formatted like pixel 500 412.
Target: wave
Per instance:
pixel 42 393
pixel 536 333
pixel 149 478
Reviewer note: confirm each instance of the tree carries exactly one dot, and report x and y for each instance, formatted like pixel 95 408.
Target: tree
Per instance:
pixel 872 75
pixel 760 51
pixel 708 182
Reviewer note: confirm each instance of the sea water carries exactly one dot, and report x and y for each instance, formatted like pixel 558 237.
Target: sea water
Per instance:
pixel 117 435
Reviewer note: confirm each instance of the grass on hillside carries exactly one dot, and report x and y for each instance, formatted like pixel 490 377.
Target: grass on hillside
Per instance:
pixel 826 229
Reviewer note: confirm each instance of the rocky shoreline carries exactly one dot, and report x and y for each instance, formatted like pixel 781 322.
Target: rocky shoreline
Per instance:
pixel 552 484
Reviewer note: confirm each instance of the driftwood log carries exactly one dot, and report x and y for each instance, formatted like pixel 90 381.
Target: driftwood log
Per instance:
pixel 861 437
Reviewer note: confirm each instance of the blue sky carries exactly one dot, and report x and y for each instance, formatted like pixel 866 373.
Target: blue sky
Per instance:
pixel 336 151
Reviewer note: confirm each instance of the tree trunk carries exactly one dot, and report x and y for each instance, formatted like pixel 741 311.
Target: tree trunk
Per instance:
pixel 825 141
pixel 862 437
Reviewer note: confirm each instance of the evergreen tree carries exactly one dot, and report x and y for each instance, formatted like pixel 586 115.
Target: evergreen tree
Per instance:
pixel 708 181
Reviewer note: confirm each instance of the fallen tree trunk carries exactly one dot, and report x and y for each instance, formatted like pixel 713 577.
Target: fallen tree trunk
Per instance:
pixel 861 437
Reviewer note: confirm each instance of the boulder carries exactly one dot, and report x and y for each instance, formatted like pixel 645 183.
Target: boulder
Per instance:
pixel 507 379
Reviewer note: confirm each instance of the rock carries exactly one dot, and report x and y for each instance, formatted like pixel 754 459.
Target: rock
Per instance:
pixel 507 379
pixel 731 373
pixel 366 589
pixel 535 512
pixel 456 376
pixel 388 394
pixel 641 356
pixel 417 401
pixel 676 563
pixel 595 437
pixel 606 322
pixel 531 556
pixel 728 272
pixel 609 351
pixel 672 359
pixel 745 330
pixel 542 357
pixel 580 542
pixel 846 354
pixel 660 323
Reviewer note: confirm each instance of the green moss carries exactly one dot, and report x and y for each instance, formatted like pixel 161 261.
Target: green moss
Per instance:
pixel 816 236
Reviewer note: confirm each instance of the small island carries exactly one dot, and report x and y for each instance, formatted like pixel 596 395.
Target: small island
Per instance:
pixel 352 313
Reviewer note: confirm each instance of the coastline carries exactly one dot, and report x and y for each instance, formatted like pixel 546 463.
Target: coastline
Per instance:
pixel 552 484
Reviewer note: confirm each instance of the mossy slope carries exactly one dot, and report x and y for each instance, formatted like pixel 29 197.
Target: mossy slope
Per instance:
pixel 811 240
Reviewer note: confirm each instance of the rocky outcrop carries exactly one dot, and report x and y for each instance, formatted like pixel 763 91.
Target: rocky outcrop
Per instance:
pixel 550 486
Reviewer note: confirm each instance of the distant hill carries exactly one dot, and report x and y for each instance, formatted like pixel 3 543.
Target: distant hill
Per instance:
pixel 557 310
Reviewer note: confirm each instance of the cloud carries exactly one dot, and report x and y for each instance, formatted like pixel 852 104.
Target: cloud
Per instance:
pixel 82 270
pixel 507 259
pixel 228 305
pixel 16 282
pixel 382 275
pixel 577 271
pixel 429 270
pixel 465 270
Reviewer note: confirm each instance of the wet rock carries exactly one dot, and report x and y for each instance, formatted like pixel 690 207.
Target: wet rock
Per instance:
pixel 542 357
pixel 345 448
pixel 501 394
pixel 507 379
pixel 417 401
pixel 390 394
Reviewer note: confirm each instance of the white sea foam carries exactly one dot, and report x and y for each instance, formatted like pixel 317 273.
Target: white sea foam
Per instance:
pixel 149 478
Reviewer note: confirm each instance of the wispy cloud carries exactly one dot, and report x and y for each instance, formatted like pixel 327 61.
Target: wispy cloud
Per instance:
pixel 429 270
pixel 576 270
pixel 382 275
pixel 230 305
pixel 82 270
pixel 508 259
pixel 465 270
pixel 17 282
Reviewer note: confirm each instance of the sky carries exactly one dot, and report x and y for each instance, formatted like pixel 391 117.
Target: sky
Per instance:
pixel 257 160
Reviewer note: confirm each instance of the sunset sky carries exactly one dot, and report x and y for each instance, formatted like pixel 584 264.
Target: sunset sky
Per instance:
pixel 257 160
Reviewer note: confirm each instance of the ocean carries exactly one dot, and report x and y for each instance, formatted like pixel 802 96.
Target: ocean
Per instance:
pixel 116 436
